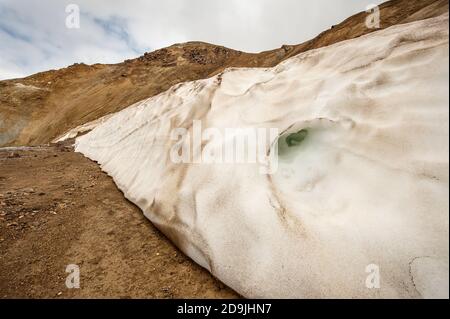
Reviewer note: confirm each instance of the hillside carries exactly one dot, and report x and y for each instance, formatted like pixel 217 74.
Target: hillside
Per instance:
pixel 36 109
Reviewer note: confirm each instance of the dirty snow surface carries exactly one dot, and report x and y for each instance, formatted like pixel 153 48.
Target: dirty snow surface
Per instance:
pixel 357 207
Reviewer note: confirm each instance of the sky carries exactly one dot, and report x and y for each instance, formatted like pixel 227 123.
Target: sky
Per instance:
pixel 41 35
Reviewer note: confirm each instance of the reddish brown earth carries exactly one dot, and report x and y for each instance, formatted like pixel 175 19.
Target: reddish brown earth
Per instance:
pixel 58 208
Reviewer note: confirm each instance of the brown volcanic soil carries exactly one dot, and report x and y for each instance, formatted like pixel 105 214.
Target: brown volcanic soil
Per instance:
pixel 36 109
pixel 58 208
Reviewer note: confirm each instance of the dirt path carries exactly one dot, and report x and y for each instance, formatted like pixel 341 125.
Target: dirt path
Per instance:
pixel 58 208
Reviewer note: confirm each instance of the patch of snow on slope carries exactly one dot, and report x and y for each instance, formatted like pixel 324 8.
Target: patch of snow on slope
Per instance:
pixel 28 87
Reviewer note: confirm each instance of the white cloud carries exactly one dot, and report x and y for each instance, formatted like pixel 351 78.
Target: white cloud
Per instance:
pixel 33 35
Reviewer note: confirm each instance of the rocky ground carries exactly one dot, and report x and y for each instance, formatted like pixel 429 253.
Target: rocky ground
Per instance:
pixel 59 208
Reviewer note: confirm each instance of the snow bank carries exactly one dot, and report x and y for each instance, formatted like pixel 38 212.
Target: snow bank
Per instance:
pixel 364 192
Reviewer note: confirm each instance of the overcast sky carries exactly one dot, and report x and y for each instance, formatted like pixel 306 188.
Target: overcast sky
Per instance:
pixel 34 36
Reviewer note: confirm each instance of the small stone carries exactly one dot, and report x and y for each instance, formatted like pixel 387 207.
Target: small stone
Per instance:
pixel 13 155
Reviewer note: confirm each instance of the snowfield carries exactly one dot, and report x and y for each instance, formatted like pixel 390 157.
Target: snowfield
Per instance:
pixel 358 207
